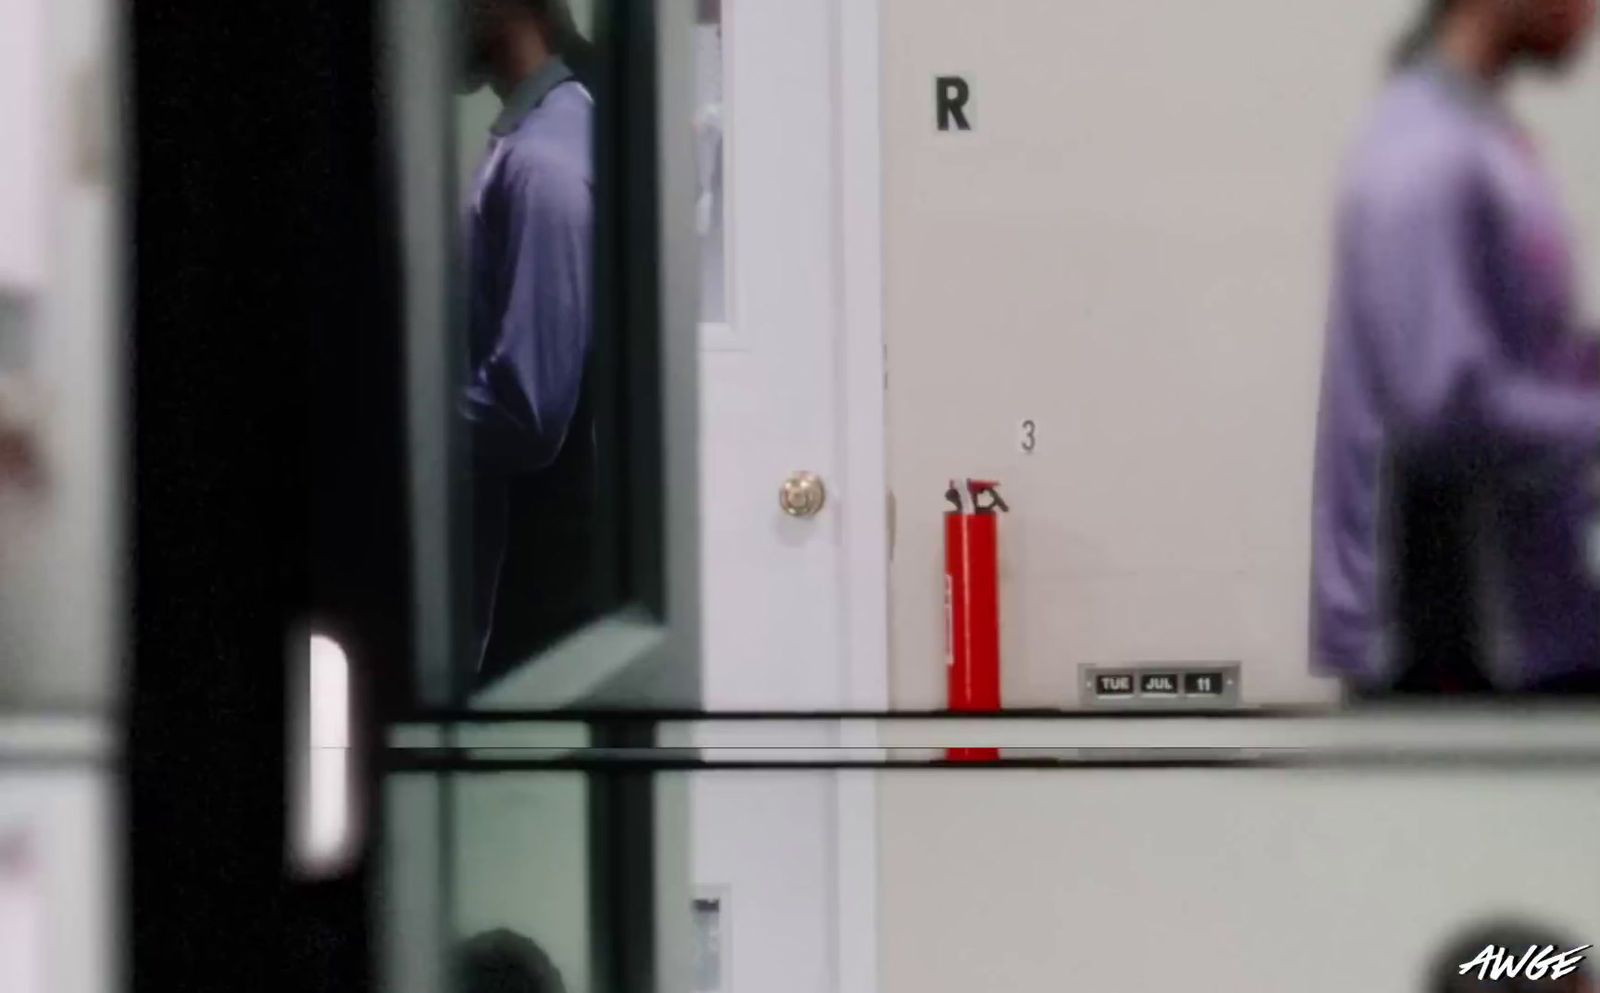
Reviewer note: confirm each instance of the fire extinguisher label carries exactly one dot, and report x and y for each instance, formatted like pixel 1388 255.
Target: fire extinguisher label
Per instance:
pixel 949 625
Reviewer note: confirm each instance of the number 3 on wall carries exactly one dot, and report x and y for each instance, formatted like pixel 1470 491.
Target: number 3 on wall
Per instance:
pixel 1025 436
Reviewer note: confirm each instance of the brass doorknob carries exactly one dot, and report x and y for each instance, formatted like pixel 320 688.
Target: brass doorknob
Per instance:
pixel 802 494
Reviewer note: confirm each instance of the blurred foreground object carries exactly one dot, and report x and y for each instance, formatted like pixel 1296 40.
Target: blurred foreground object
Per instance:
pixel 21 465
pixel 1460 411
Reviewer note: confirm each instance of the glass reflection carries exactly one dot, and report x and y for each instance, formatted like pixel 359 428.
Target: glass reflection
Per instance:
pixel 1399 877
pixel 528 397
pixel 710 158
pixel 505 961
pixel 521 878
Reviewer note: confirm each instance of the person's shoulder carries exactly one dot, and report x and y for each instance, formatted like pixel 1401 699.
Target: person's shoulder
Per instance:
pixel 549 164
pixel 565 117
pixel 572 98
pixel 1413 148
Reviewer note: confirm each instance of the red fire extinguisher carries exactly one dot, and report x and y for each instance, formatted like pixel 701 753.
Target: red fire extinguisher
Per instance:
pixel 972 604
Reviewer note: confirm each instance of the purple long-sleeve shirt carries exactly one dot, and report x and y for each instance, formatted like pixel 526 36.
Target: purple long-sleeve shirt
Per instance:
pixel 531 230
pixel 530 233
pixel 1452 331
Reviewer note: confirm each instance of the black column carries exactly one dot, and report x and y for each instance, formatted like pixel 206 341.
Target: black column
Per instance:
pixel 263 378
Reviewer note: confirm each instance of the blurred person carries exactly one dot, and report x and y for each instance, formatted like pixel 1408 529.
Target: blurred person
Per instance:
pixel 530 236
pixel 1469 963
pixel 504 961
pixel 1460 408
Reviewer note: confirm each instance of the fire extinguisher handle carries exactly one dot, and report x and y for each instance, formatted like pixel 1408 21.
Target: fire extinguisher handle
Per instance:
pixel 980 488
pixel 954 496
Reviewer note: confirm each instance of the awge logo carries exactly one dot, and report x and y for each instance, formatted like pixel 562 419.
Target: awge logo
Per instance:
pixel 1495 962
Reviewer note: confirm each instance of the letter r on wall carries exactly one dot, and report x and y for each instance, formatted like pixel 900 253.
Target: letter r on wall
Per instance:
pixel 951 94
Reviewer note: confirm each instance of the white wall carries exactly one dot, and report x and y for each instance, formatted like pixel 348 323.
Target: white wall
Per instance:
pixel 1244 881
pixel 58 908
pixel 1130 248
pixel 23 104
pixel 765 842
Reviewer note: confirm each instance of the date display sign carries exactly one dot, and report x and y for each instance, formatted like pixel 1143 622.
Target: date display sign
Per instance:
pixel 1195 686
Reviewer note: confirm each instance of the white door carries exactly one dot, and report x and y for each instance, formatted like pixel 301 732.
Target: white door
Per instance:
pixel 791 381
pixel 794 606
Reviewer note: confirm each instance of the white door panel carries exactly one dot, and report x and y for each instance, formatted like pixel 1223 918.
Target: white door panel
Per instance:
pixel 786 624
pixel 769 856
pixel 769 397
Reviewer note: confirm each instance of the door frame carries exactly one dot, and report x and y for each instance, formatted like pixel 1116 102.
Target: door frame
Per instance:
pixel 864 568
pixel 864 565
pixel 642 653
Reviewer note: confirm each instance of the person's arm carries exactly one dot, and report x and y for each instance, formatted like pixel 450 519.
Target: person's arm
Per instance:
pixel 520 401
pixel 1579 358
pixel 1432 259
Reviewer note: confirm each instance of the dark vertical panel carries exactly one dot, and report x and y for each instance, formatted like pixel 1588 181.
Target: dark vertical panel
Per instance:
pixel 628 301
pixel 360 578
pixel 265 454
pixel 622 866
pixel 361 565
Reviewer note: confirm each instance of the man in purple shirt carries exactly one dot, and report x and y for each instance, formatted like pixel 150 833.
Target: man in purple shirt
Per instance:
pixel 1460 404
pixel 530 226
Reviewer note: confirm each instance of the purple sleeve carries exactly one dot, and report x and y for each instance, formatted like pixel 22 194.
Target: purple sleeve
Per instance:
pixel 521 399
pixel 1447 362
pixel 1579 358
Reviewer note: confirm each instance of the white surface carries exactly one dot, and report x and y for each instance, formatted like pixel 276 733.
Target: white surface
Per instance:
pixel 329 698
pixel 767 839
pixel 1131 249
pixel 709 102
pixel 20 912
pixel 794 610
pixel 1462 732
pixel 60 560
pixel 774 635
pixel 63 820
pixel 864 575
pixel 325 839
pixel 1244 881
pixel 24 114
pixel 52 737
